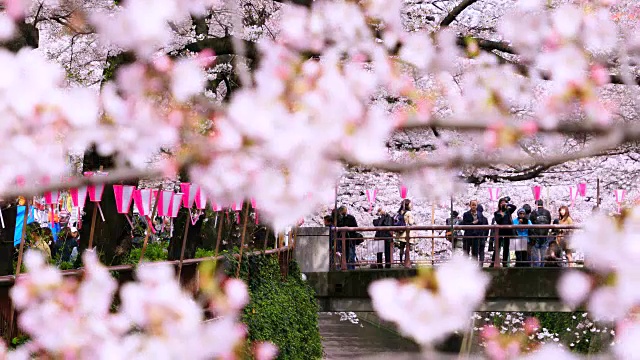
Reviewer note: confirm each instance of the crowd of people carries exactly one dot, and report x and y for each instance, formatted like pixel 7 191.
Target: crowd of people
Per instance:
pixel 535 247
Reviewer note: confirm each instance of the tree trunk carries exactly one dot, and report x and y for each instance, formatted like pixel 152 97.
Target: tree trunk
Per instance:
pixel 110 235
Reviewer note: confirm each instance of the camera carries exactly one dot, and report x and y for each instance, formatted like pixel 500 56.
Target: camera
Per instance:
pixel 508 199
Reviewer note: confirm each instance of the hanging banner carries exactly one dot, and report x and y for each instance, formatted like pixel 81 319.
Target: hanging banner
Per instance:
pixel 582 189
pixel 573 193
pixel 494 194
pixel 537 192
pixel 371 197
pixel 403 191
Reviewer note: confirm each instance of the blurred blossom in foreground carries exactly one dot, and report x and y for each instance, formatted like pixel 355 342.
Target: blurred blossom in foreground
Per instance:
pixel 155 318
pixel 434 304
pixel 611 248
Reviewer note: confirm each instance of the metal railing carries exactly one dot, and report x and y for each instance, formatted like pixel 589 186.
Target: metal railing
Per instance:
pixel 357 251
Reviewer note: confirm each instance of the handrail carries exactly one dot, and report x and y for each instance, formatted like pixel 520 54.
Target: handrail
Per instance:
pixel 10 279
pixel 458 227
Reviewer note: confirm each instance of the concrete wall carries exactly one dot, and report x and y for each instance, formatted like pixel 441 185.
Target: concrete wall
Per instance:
pixel 312 249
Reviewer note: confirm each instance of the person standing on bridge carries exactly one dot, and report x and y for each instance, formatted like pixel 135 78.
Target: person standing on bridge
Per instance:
pixel 404 217
pixel 347 220
pixel 503 217
pixel 474 239
pixel 384 219
pixel 519 243
pixel 540 216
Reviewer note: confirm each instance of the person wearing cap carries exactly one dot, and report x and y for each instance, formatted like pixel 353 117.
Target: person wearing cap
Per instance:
pixel 67 241
pixel 540 216
pixel 519 243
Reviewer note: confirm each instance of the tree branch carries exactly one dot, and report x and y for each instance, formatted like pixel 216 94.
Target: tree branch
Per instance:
pixel 462 159
pixel 456 11
pixel 223 46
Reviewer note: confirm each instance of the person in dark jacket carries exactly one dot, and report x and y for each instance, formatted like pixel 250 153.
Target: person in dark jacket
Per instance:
pixel 539 238
pixel 66 243
pixel 384 219
pixel 503 217
pixel 347 220
pixel 474 239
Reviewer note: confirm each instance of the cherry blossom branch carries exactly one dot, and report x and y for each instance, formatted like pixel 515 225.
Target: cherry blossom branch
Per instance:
pixel 451 17
pixel 463 159
pixel 563 127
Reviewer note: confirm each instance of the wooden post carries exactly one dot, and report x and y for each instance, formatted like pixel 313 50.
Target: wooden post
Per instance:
pixel 407 250
pixel 93 225
pixel 433 239
pixel 220 223
pixel 598 192
pixel 153 215
pixel 244 232
pixel 343 257
pixel 496 247
pixel 19 263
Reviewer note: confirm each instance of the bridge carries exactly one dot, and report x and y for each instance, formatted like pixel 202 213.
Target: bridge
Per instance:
pixel 523 289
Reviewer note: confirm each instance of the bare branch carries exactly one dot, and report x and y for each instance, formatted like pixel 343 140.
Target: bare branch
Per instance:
pixel 456 11
pixel 463 159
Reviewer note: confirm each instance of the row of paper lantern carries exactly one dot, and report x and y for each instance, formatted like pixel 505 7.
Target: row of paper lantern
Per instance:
pixel 168 202
pixel 494 193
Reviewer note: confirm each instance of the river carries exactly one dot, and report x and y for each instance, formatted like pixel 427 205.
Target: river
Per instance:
pixel 346 337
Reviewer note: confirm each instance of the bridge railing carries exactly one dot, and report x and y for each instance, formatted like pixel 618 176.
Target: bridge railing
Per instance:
pixel 434 244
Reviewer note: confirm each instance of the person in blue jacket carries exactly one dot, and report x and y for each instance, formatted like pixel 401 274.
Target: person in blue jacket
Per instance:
pixel 519 243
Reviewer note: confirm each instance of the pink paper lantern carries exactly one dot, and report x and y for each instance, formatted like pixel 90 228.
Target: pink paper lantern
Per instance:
pixel 79 196
pixel 124 195
pixel 619 195
pixel 537 191
pixel 494 194
pixel 403 191
pixel 51 197
pixel 254 205
pixel 189 191
pixel 582 189
pixel 573 193
pixel 164 202
pixel 176 202
pixel 143 199
pixel 215 206
pixel 200 199
pixel 95 191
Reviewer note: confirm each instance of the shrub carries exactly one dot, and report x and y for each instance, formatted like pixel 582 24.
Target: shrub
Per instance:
pixel 156 251
pixel 283 311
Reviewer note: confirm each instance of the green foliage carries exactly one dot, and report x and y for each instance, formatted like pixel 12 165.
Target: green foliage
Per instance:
pixel 203 253
pixel 19 340
pixel 283 311
pixel 157 251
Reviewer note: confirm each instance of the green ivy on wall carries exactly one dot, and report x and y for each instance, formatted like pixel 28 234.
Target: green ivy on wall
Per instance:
pixel 283 311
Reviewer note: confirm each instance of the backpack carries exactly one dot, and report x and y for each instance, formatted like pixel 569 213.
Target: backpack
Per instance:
pixel 398 220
